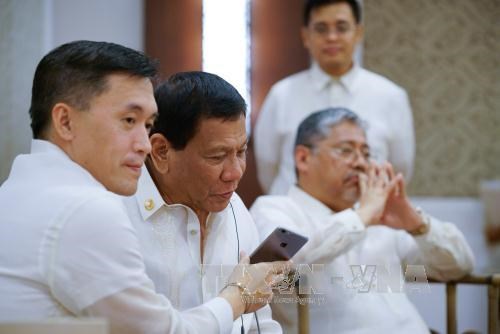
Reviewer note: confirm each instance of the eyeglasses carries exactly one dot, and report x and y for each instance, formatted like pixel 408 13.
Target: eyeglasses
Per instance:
pixel 324 30
pixel 349 153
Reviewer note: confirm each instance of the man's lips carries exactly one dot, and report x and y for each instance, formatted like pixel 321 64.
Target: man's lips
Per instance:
pixel 351 180
pixel 225 195
pixel 135 167
pixel 332 51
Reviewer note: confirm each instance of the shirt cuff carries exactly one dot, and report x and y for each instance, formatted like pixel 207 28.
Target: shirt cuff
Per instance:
pixel 351 220
pixel 223 312
pixel 438 231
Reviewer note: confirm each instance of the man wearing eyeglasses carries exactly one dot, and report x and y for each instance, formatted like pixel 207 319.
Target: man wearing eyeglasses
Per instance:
pixel 331 31
pixel 363 252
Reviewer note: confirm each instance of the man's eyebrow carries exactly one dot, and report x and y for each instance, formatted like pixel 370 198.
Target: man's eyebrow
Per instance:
pixel 134 107
pixel 224 148
pixel 350 142
pixel 337 21
pixel 342 21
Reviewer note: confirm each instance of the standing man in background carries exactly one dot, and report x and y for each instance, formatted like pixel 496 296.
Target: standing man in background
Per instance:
pixel 332 29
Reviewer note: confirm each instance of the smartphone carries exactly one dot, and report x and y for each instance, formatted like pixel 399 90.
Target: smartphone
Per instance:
pixel 281 245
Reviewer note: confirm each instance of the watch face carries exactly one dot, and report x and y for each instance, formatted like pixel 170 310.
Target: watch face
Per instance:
pixel 421 230
pixel 425 224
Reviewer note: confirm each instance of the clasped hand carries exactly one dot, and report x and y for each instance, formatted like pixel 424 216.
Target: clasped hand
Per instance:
pixel 383 199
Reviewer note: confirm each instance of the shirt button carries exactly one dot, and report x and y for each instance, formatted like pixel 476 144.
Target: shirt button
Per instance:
pixel 193 232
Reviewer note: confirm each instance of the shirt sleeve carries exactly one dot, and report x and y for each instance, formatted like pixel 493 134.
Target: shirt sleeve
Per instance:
pixel 340 232
pixel 94 266
pixel 91 251
pixel 327 239
pixel 402 144
pixel 140 310
pixel 267 142
pixel 443 251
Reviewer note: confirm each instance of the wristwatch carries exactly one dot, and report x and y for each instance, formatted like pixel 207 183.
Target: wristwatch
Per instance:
pixel 425 224
pixel 245 293
pixel 243 289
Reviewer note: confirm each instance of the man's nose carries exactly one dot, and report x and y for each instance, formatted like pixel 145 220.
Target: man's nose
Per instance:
pixel 142 143
pixel 360 161
pixel 332 34
pixel 233 170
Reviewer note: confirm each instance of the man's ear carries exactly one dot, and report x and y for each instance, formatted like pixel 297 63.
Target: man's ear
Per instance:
pixel 360 32
pixel 302 157
pixel 160 152
pixel 62 121
pixel 304 34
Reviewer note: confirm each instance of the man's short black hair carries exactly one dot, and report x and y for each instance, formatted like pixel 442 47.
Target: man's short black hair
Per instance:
pixel 187 98
pixel 76 72
pixel 311 5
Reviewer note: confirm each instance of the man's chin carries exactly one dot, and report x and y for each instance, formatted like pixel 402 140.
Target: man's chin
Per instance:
pixel 218 206
pixel 123 189
pixel 351 194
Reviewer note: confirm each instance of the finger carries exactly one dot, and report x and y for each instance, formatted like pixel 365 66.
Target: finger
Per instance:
pixel 393 185
pixel 384 175
pixel 401 185
pixel 281 267
pixel 390 172
pixel 380 177
pixel 372 176
pixel 277 280
pixel 244 259
pixel 396 185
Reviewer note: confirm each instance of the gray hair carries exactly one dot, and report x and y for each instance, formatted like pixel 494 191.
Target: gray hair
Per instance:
pixel 317 126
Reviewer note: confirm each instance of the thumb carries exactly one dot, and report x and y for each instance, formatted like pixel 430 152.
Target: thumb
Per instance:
pixel 244 259
pixel 362 179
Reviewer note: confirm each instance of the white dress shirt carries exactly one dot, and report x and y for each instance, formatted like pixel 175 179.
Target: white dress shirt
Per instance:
pixel 68 248
pixel 383 105
pixel 169 236
pixel 339 240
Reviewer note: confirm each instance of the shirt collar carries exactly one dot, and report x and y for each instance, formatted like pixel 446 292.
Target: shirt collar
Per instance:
pixel 349 79
pixel 148 197
pixel 45 147
pixel 309 203
pixel 150 200
pixel 322 79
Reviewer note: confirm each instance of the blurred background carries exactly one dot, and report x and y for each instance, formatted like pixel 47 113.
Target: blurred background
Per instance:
pixel 445 53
